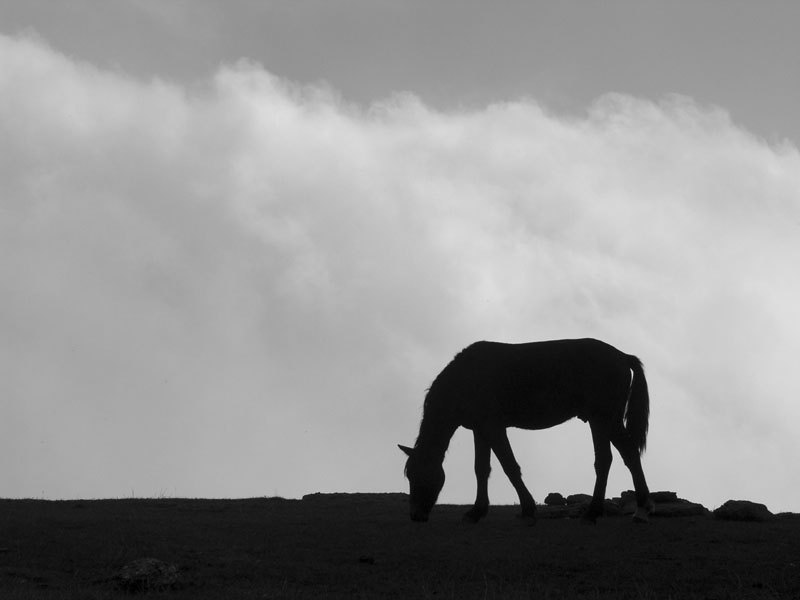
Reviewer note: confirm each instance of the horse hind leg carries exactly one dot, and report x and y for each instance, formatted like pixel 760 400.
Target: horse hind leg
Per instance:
pixel 630 454
pixel 482 469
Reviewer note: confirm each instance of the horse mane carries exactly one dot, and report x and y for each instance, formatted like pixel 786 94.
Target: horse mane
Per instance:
pixel 426 421
pixel 436 426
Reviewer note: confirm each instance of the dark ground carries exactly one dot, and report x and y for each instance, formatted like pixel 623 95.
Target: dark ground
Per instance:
pixel 364 546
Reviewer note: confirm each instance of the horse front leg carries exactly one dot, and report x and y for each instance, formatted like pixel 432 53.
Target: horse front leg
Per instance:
pixel 498 439
pixel 602 465
pixel 482 469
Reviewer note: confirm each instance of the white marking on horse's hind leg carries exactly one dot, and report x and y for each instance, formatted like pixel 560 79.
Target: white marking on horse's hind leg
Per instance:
pixel 642 514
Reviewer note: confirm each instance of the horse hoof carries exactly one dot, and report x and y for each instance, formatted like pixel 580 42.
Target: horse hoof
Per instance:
pixel 468 518
pixel 590 515
pixel 473 516
pixel 641 516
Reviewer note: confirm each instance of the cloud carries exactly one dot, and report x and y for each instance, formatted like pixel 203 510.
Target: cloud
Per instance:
pixel 244 286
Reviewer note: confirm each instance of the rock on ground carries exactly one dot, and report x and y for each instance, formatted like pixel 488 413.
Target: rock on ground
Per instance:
pixel 743 510
pixel 578 499
pixel 147 574
pixel 555 499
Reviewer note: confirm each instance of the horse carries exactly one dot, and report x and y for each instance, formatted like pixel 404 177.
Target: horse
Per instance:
pixel 490 386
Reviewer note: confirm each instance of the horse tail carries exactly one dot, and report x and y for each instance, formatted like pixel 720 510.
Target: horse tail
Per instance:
pixel 637 412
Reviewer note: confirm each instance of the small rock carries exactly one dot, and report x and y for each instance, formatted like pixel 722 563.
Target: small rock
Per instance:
pixel 555 499
pixel 667 504
pixel 743 510
pixel 664 497
pixel 681 508
pixel 612 508
pixel 578 499
pixel 147 574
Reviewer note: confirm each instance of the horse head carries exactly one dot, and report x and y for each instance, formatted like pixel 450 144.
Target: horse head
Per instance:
pixel 426 479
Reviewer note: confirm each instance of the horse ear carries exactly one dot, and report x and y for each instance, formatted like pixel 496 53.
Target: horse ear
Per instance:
pixel 405 449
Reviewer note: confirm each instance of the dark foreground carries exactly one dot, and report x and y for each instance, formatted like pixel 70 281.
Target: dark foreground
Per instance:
pixel 364 546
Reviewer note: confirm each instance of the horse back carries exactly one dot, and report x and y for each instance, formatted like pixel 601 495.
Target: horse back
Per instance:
pixel 536 385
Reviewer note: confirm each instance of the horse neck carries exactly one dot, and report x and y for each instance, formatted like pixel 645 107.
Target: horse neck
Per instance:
pixel 435 430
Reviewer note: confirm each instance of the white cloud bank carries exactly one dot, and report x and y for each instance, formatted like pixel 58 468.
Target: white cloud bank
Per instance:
pixel 243 287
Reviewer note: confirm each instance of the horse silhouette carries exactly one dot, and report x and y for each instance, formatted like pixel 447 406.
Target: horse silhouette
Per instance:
pixel 490 386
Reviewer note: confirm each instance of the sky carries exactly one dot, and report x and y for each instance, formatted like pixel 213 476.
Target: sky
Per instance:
pixel 239 240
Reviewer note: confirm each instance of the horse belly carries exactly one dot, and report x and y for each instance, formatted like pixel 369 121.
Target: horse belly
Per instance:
pixel 536 421
pixel 541 411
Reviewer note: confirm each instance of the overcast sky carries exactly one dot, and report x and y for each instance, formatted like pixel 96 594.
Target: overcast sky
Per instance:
pixel 238 240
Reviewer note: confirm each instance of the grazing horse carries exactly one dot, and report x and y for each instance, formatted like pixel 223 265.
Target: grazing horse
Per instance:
pixel 490 386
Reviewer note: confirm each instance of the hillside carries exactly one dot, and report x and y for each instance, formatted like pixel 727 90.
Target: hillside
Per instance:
pixel 364 546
